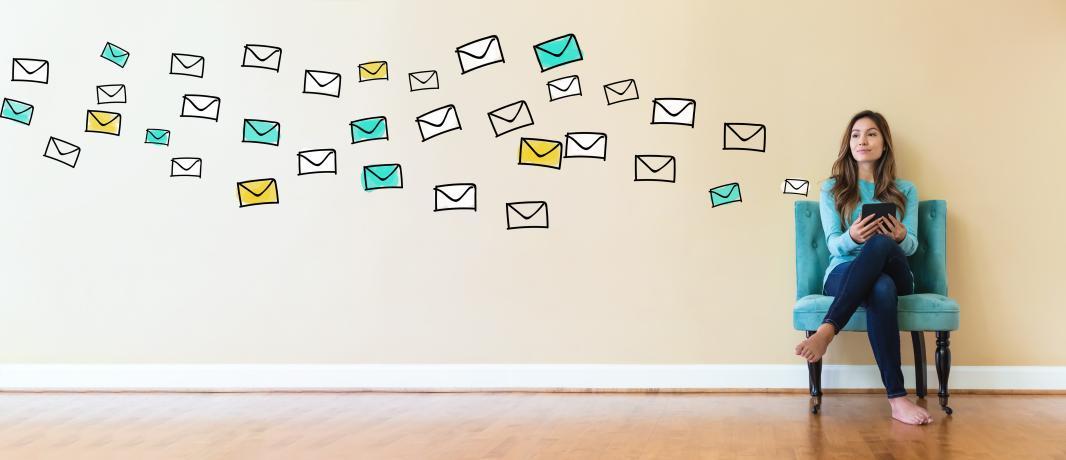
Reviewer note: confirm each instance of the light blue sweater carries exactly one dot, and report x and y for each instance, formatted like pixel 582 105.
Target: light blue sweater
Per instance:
pixel 841 247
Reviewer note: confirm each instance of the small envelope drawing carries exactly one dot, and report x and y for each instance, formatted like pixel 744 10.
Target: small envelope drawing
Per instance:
pixel 382 176
pixel 795 187
pixel 557 51
pixel 258 191
pixel 438 121
pixel 450 197
pixel 655 168
pixel 725 194
pixel 479 53
pixel 621 91
pixel 510 117
pixel 186 167
pixel 262 57
pixel 673 111
pixel 187 64
pixel 424 80
pixel 377 70
pixel 744 136
pixel 17 111
pixel 370 129
pixel 540 152
pixel 29 70
pixel 111 94
pixel 200 106
pixel 62 151
pixel 261 132
pixel 527 214
pixel 586 145
pixel 97 121
pixel 316 162
pixel 157 136
pixel 322 82
pixel 115 54
pixel 564 87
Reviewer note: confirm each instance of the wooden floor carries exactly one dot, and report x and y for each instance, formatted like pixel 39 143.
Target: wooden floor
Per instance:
pixel 517 426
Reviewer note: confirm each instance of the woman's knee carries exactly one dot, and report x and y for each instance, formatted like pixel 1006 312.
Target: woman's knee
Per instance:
pixel 880 241
pixel 883 295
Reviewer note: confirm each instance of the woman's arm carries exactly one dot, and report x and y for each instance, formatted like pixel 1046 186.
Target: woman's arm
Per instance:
pixel 839 241
pixel 910 220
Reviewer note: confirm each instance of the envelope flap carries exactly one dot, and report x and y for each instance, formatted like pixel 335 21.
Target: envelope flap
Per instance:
pixel 442 112
pixel 60 145
pixel 186 163
pixel 187 60
pixel 158 134
pixel 101 116
pixel 372 123
pixel 257 187
pixel 23 62
pixel 558 84
pixel 518 108
pixel 115 51
pixel 387 170
pixel 261 127
pixel 556 46
pixel 17 107
pixel 429 76
pixel 532 208
pixel 469 49
pixel 586 140
pixel 322 156
pixel 449 191
pixel 624 85
pixel 725 191
pixel 201 103
pixel 753 129
pixel 115 89
pixel 258 50
pixel 666 161
pixel 539 145
pixel 796 184
pixel 319 77
pixel 372 67
pixel 674 107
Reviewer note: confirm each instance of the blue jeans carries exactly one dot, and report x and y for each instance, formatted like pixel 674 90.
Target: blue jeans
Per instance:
pixel 877 276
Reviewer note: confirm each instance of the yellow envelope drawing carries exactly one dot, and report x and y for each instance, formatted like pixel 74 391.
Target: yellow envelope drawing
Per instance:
pixel 540 152
pixel 377 70
pixel 97 121
pixel 258 191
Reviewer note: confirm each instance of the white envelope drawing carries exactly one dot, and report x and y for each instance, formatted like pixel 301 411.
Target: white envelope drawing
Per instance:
pixel 656 168
pixel 795 187
pixel 316 161
pixel 479 53
pixel 62 151
pixel 187 64
pixel 564 87
pixel 439 121
pixel 262 57
pixel 621 91
pixel 449 197
pixel 200 106
pixel 426 79
pixel 673 111
pixel 111 94
pixel 586 145
pixel 510 117
pixel 186 167
pixel 744 136
pixel 29 70
pixel 527 214
pixel 321 82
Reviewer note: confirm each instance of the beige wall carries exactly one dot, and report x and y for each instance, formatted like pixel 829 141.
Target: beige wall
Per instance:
pixel 114 262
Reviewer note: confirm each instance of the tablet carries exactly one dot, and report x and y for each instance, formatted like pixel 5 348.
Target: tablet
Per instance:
pixel 879 209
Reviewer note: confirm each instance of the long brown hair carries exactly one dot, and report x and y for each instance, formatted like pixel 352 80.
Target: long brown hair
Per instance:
pixel 846 172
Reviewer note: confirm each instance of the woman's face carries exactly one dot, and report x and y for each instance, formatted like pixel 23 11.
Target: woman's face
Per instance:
pixel 866 141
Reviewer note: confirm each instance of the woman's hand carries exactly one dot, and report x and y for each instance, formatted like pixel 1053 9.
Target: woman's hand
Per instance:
pixel 862 229
pixel 894 228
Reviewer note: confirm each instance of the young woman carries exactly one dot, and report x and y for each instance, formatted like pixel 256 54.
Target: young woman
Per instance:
pixel 869 255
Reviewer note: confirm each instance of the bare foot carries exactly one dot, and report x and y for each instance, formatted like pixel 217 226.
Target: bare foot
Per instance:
pixel 908 412
pixel 813 347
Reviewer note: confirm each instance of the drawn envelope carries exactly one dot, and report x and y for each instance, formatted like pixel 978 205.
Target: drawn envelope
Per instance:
pixel 438 121
pixel 377 70
pixel 370 129
pixel 479 53
pixel 621 91
pixel 316 162
pixel 187 64
pixel 540 152
pixel 449 197
pixel 262 57
pixel 655 168
pixel 586 145
pixel 382 176
pixel 200 106
pixel 29 70
pixel 111 94
pixel 427 79
pixel 116 55
pixel 725 194
pixel 186 167
pixel 557 51
pixel 510 117
pixel 796 187
pixel 321 82
pixel 673 111
pixel 527 214
pixel 62 151
pixel 564 87
pixel 258 191
pixel 17 111
pixel 261 132
pixel 744 136
pixel 97 121
pixel 157 136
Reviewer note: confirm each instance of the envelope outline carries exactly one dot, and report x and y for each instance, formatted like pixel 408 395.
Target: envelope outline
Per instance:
pixel 512 207
pixel 424 84
pixel 556 92
pixel 572 137
pixel 183 171
pixel 20 63
pixel 302 157
pixel 365 74
pixel 658 103
pixel 258 198
pixel 357 127
pixel 382 182
pixel 206 102
pixel 261 128
pixel 322 87
pixel 490 40
pixel 184 68
pixel 552 59
pixel 512 123
pixel 439 191
pixel 11 111
pixel 732 186
pixel 629 84
pixel 118 96
pixel 113 53
pixel 94 115
pixel 448 110
pixel 257 56
pixel 671 161
pixel 54 151
pixel 538 156
pixel 729 127
pixel 802 189
pixel 157 136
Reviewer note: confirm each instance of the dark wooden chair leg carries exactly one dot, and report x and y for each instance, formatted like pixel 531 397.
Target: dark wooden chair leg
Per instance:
pixel 814 376
pixel 943 366
pixel 920 378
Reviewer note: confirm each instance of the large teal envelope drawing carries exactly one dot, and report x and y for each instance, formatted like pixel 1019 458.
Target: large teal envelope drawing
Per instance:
pixel 382 176
pixel 17 111
pixel 558 51
pixel 157 137
pixel 370 129
pixel 115 54
pixel 725 194
pixel 262 132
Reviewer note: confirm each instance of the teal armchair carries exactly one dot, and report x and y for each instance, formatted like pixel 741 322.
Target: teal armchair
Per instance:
pixel 928 309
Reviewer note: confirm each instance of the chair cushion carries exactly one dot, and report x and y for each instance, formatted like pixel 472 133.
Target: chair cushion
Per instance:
pixel 917 312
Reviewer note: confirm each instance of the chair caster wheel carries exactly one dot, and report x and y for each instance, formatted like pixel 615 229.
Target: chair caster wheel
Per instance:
pixel 947 409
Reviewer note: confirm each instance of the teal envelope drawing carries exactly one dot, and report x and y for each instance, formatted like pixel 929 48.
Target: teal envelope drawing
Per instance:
pixel 115 54
pixel 157 137
pixel 370 129
pixel 725 194
pixel 262 132
pixel 382 176
pixel 557 51
pixel 17 111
